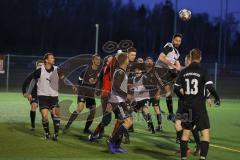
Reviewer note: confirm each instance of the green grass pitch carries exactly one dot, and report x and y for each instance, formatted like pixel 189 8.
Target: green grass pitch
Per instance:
pixel 17 142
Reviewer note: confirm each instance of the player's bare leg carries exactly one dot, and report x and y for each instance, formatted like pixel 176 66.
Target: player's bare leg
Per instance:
pixel 33 115
pixel 116 138
pixel 184 143
pixel 73 116
pixel 169 101
pixel 204 143
pixel 148 118
pixel 159 117
pixel 90 119
pixel 179 131
pixel 45 123
pixel 107 116
pixel 56 122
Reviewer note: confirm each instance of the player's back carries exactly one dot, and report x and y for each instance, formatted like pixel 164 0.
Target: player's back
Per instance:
pixel 193 79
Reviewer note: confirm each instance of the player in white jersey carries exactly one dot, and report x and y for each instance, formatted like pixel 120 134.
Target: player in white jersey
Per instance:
pixel 47 79
pixel 141 94
pixel 166 68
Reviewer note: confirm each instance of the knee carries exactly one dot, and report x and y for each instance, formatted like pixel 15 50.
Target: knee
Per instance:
pixel 178 125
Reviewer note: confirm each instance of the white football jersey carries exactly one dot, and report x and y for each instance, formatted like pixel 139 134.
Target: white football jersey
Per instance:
pixel 48 83
pixel 171 56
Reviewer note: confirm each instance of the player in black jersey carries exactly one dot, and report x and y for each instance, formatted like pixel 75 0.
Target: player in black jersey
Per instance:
pixel 190 87
pixel 32 97
pixel 88 80
pixel 154 91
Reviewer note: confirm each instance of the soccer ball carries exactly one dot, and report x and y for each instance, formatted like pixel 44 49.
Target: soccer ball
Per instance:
pixel 185 14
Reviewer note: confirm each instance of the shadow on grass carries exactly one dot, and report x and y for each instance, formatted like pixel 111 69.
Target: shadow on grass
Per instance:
pixel 154 154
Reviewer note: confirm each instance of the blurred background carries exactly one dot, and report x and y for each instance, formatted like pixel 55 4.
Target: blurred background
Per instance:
pixel 29 28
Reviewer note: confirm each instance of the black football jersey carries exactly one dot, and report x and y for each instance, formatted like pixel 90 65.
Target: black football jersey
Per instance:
pixel 193 80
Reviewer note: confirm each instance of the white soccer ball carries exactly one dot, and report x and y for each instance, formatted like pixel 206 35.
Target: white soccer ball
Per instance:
pixel 185 14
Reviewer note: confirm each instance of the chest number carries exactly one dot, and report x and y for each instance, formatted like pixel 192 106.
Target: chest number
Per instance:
pixel 191 87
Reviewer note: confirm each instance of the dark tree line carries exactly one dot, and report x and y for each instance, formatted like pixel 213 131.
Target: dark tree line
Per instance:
pixel 67 27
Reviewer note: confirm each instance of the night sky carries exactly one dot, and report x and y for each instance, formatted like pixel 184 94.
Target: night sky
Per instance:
pixel 212 7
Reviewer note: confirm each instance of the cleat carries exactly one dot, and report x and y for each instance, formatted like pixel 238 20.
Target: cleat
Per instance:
pixel 91 138
pixel 87 131
pixel 55 137
pixel 120 150
pixel 111 147
pixel 159 128
pixel 47 136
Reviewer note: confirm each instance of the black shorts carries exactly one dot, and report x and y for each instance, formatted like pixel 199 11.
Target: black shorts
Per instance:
pixel 154 102
pixel 34 100
pixel 47 102
pixel 121 110
pixel 90 102
pixel 200 122
pixel 166 75
pixel 142 103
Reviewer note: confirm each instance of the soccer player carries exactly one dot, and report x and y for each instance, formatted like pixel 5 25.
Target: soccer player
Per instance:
pixel 47 79
pixel 141 94
pixel 86 93
pixel 33 98
pixel 106 90
pixel 118 98
pixel 190 88
pixel 154 91
pixel 166 67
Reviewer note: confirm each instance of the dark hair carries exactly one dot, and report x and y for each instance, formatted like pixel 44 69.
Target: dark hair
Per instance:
pixel 122 57
pixel 46 56
pixel 196 54
pixel 105 60
pixel 149 58
pixel 131 49
pixel 177 35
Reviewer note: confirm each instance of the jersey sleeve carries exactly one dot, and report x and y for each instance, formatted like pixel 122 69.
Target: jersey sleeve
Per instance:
pixel 34 75
pixel 118 80
pixel 178 85
pixel 167 48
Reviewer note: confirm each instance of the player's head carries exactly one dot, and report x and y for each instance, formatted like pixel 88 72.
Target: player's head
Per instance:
pixel 187 60
pixel 96 60
pixel 132 52
pixel 140 60
pixel 196 55
pixel 49 58
pixel 39 63
pixel 139 67
pixel 177 40
pixel 149 62
pixel 122 59
pixel 107 59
